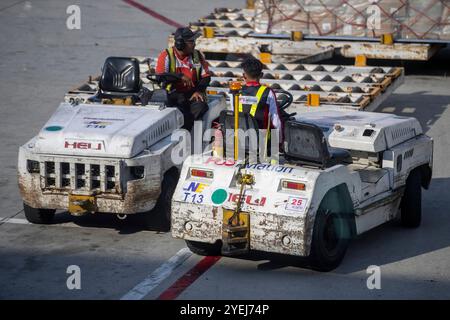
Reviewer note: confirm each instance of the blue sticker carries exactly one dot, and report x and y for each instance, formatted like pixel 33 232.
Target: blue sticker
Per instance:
pixel 54 128
pixel 193 197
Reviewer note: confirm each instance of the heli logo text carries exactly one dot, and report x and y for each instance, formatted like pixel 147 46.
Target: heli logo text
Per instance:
pixel 82 145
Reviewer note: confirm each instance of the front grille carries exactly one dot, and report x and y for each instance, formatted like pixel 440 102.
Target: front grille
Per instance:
pixel 67 175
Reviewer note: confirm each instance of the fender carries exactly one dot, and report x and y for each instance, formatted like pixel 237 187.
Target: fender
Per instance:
pixel 336 199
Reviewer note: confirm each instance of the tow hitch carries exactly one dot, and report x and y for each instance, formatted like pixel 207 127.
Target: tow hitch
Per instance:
pixel 236 224
pixel 80 205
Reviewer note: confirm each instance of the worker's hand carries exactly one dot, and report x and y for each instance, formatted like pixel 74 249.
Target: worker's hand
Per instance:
pixel 187 81
pixel 197 96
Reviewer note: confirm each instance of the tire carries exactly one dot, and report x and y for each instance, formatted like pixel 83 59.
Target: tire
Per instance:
pixel 330 240
pixel 163 205
pixel 204 249
pixel 411 204
pixel 38 216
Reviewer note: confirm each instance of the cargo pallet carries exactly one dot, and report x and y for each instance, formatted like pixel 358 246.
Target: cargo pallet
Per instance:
pixel 333 86
pixel 232 31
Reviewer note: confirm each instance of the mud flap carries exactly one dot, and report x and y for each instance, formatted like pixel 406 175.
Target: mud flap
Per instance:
pixel 235 234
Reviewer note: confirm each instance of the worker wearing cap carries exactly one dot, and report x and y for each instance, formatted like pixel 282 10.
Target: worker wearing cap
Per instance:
pixel 189 93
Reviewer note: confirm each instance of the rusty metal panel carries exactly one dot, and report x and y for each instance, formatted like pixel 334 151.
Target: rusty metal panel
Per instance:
pixel 204 223
pixel 225 31
pixel 268 230
pixel 202 219
pixel 249 44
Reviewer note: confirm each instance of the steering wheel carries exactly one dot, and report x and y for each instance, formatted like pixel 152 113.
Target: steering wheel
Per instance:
pixel 164 77
pixel 285 97
pixel 286 100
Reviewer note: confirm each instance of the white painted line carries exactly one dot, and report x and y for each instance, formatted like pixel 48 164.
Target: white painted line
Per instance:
pixel 17 221
pixel 388 109
pixel 153 280
pixel 408 110
pixel 56 224
pixel 25 221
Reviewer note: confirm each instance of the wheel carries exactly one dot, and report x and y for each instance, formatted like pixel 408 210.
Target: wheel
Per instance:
pixel 164 203
pixel 204 249
pixel 38 216
pixel 330 240
pixel 411 204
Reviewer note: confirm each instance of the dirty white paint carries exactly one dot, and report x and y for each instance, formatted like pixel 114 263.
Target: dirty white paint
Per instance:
pixel 95 137
pixel 372 180
pixel 372 50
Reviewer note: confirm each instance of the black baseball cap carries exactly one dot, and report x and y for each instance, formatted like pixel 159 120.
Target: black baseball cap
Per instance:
pixel 186 34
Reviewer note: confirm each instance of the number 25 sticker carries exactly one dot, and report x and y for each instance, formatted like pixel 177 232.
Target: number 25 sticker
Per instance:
pixel 296 204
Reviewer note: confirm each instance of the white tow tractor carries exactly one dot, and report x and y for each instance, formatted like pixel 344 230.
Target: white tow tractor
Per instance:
pixel 342 173
pixel 110 153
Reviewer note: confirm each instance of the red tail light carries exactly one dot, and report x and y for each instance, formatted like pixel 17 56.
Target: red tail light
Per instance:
pixel 202 173
pixel 293 185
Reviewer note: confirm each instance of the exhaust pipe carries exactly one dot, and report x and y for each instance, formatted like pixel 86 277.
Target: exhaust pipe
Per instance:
pixel 121 216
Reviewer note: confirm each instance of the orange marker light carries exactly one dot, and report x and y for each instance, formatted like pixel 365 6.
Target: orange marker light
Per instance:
pixel 235 86
pixel 202 173
pixel 293 185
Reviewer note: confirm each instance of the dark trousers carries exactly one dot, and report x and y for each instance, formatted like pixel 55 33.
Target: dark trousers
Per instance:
pixel 192 110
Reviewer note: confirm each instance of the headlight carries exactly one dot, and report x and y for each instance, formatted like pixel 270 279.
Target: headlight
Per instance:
pixel 33 166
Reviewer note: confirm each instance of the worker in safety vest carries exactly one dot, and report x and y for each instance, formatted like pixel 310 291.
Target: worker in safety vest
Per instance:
pixel 258 100
pixel 189 93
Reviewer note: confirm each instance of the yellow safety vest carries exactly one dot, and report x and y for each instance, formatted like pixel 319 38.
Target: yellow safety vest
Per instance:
pixel 173 64
pixel 254 106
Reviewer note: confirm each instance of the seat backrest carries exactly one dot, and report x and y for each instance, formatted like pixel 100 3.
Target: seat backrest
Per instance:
pixel 306 143
pixel 246 122
pixel 120 77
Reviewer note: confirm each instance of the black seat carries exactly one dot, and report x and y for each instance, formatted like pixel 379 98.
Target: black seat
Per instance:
pixel 305 143
pixel 246 148
pixel 120 78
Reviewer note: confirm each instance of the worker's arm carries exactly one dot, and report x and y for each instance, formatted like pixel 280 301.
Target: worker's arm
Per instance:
pixel 203 84
pixel 162 64
pixel 274 111
pixel 200 90
pixel 205 76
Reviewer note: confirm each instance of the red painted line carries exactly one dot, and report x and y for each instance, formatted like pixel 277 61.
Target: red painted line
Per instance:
pixel 154 14
pixel 188 278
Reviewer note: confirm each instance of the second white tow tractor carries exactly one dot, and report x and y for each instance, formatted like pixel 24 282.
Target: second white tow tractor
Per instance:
pixel 342 173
